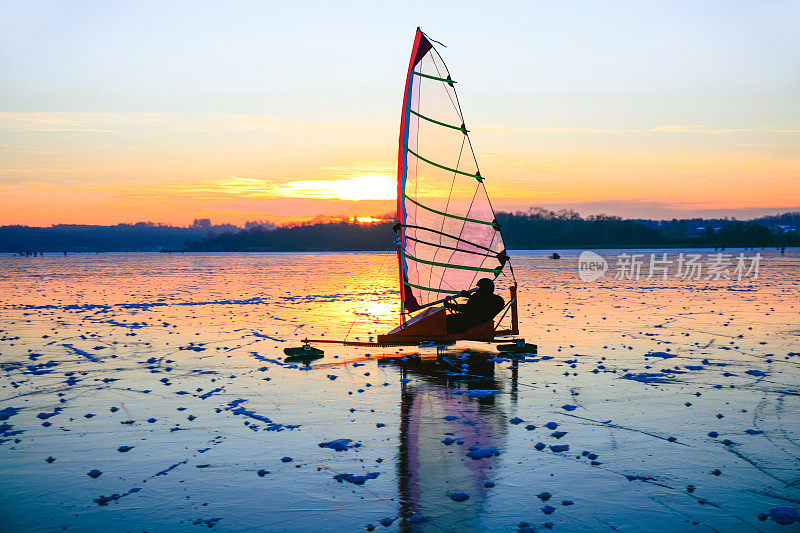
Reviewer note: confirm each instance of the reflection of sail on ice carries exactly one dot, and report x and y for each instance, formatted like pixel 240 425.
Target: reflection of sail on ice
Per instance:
pixel 448 232
pixel 429 469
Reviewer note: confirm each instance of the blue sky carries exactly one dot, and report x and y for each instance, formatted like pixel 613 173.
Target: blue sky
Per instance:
pixel 121 94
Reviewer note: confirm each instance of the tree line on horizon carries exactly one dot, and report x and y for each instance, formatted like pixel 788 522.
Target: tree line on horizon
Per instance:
pixel 525 230
pixel 535 228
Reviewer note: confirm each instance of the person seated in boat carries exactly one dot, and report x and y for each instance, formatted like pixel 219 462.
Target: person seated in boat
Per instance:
pixel 481 306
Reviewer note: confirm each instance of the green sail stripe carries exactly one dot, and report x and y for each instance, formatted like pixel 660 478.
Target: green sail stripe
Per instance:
pixel 432 210
pixel 431 288
pixel 432 77
pixel 460 267
pixel 476 176
pixel 429 119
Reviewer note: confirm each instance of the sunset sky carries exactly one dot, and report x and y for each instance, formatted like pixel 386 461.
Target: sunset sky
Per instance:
pixel 169 111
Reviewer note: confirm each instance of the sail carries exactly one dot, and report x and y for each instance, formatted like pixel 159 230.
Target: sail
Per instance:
pixel 448 234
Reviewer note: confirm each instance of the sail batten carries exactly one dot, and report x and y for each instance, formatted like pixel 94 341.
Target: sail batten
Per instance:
pixel 461 128
pixel 443 167
pixel 440 245
pixel 446 80
pixel 422 287
pixel 442 189
pixel 450 215
pixel 452 265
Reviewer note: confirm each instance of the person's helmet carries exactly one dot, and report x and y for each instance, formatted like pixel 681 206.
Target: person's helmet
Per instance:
pixel 486 284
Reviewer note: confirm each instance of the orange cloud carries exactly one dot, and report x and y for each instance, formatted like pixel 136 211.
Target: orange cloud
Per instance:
pixel 111 167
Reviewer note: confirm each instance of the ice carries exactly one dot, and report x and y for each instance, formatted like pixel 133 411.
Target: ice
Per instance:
pixel 784 515
pixel 663 355
pixel 86 340
pixel 356 479
pixel 339 445
pixel 650 377
pixel 480 393
pixel 476 452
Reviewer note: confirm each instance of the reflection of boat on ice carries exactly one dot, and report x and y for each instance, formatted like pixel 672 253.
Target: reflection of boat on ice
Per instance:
pixel 440 421
pixel 447 233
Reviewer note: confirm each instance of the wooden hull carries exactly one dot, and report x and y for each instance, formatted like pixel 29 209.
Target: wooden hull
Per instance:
pixel 431 326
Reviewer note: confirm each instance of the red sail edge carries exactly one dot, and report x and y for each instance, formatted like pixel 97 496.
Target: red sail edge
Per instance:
pixel 421 47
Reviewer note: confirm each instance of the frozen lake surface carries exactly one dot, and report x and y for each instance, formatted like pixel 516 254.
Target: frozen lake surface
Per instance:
pixel 147 392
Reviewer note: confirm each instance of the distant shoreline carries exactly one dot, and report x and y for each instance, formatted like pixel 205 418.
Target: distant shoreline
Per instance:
pixel 535 229
pixel 512 252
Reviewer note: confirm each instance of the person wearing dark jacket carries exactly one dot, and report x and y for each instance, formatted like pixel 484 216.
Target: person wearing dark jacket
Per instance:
pixel 481 306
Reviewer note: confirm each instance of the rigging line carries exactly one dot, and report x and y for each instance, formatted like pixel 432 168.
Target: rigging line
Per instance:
pixel 475 158
pixel 471 148
pixel 369 290
pixel 507 308
pixel 498 227
pixel 463 226
pixel 457 106
pixel 460 114
pixel 431 39
pixel 511 269
pixel 455 102
pixel 452 237
pixel 449 197
pixel 470 207
pixel 447 205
